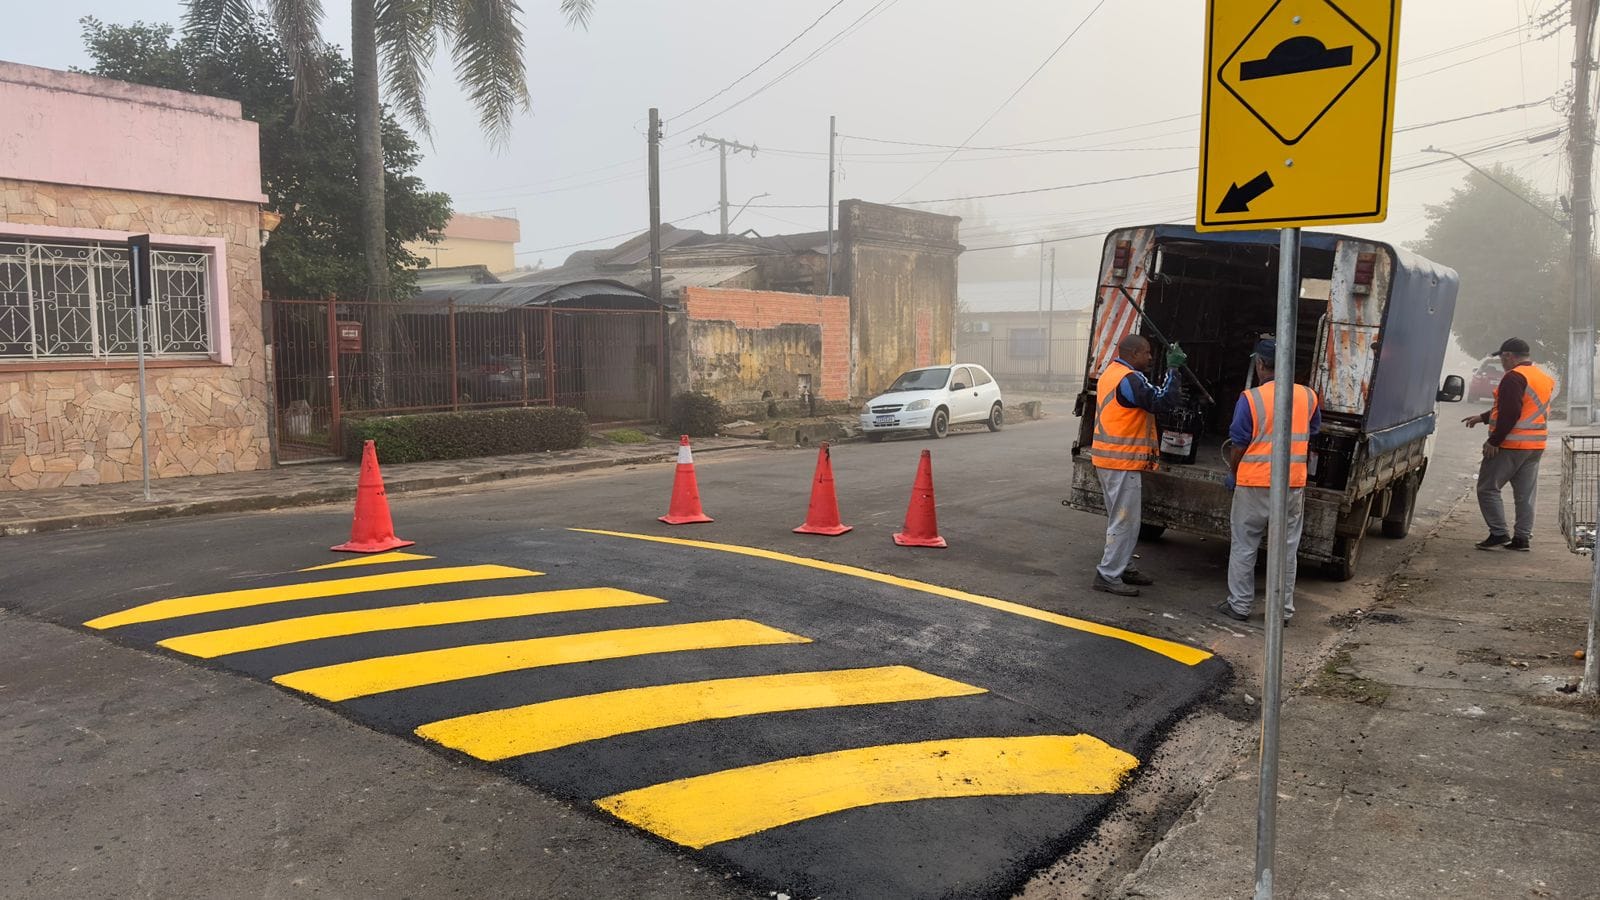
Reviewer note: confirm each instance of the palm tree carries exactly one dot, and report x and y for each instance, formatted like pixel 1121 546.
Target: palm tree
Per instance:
pixel 484 38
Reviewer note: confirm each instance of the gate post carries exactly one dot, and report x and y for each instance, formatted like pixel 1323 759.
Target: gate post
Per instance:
pixel 336 436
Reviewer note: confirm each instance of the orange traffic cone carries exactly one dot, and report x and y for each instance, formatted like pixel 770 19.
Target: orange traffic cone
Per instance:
pixel 922 522
pixel 685 506
pixel 373 530
pixel 822 517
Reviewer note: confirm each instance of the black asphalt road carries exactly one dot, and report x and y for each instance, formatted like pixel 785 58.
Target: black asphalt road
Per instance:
pixel 999 505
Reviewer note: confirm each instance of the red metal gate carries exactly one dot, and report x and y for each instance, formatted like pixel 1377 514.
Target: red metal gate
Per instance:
pixel 335 359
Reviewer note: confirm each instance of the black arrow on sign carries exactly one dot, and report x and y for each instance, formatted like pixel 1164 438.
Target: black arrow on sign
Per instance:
pixel 1238 198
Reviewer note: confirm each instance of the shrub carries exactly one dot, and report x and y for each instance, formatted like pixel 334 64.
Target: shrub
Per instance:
pixel 490 432
pixel 695 414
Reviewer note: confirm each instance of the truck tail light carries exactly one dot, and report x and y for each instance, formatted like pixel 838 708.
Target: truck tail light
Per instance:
pixel 1366 263
pixel 1120 259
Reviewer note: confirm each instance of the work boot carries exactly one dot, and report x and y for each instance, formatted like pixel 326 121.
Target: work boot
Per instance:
pixel 1118 587
pixel 1227 609
pixel 1520 543
pixel 1493 541
pixel 1134 576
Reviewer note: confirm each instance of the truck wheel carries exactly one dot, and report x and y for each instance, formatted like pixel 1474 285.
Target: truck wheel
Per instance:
pixel 1402 509
pixel 1151 532
pixel 1348 549
pixel 941 423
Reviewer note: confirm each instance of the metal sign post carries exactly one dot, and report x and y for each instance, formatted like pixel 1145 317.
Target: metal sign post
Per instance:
pixel 140 284
pixel 1277 558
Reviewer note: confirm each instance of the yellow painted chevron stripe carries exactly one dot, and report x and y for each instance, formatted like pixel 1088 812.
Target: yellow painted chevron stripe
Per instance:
pixel 210 644
pixel 370 560
pixel 722 806
pixel 205 603
pixel 360 678
pixel 504 733
pixel 1182 653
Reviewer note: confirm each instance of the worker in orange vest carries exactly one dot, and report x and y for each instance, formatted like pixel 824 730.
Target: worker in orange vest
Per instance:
pixel 1251 478
pixel 1520 416
pixel 1124 446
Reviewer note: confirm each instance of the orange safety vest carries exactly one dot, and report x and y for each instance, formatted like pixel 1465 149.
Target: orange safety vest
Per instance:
pixel 1255 468
pixel 1532 426
pixel 1123 438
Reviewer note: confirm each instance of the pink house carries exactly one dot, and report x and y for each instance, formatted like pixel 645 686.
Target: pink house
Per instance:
pixel 84 163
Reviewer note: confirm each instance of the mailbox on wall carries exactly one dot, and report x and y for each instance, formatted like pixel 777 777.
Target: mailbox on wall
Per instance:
pixel 349 336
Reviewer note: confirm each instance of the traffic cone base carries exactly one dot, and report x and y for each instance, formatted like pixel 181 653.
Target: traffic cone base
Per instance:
pixel 822 516
pixel 372 531
pixel 922 521
pixel 684 509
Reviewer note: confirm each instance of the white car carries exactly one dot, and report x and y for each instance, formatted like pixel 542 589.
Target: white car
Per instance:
pixel 932 399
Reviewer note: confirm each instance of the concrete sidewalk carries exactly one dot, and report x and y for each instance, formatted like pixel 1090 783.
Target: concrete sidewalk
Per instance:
pixel 1432 755
pixel 308 484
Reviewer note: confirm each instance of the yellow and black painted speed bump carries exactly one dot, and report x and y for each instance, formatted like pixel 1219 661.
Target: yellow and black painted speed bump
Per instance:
pixel 826 729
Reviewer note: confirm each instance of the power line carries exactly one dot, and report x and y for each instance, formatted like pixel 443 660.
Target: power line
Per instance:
pixel 759 66
pixel 1058 187
pixel 612 237
pixel 1006 102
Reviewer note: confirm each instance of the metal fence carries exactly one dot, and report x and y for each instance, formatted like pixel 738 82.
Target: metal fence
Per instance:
pixel 335 359
pixel 1580 490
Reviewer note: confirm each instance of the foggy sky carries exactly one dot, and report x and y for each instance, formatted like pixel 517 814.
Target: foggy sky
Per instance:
pixel 914 70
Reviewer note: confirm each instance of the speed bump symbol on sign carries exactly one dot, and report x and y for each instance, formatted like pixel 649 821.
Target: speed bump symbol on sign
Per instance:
pixel 1299 112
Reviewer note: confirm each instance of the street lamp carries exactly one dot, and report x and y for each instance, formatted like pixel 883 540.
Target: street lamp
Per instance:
pixel 1565 226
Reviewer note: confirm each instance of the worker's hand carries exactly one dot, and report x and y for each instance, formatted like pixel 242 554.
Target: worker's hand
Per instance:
pixel 1176 357
pixel 1229 482
pixel 1472 421
pixel 1489 450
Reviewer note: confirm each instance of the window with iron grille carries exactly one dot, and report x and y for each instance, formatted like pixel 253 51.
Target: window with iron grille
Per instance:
pixel 1026 343
pixel 72 301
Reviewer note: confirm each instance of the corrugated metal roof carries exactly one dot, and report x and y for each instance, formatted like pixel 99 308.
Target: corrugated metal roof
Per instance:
pixel 492 297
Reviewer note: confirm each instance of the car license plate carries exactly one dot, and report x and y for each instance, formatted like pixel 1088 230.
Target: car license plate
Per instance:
pixel 884 420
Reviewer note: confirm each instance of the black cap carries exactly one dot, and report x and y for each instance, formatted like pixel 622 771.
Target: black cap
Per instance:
pixel 1515 345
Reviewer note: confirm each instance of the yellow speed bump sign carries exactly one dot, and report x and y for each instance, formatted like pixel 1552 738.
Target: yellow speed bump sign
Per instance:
pixel 1299 112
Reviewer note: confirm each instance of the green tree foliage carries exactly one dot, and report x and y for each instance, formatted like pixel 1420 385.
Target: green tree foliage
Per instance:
pixel 1512 261
pixel 308 171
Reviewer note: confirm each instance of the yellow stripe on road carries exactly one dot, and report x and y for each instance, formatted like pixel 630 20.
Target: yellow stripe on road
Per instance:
pixel 722 806
pixel 407 670
pixel 210 644
pixel 1182 653
pixel 205 603
pixel 373 560
pixel 504 733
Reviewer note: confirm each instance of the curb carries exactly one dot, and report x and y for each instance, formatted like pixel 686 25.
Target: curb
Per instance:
pixel 323 496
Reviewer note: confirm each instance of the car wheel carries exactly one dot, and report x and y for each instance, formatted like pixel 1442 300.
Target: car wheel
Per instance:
pixel 941 423
pixel 875 438
pixel 997 418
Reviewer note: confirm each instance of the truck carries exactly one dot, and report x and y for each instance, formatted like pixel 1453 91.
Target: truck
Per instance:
pixel 1373 324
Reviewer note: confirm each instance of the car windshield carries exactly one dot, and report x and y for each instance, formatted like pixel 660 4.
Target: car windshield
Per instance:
pixel 920 380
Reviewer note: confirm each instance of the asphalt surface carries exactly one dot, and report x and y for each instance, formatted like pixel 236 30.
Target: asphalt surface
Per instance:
pixel 991 673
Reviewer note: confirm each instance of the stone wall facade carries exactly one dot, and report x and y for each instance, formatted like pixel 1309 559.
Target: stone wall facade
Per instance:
pixel 736 345
pixel 76 422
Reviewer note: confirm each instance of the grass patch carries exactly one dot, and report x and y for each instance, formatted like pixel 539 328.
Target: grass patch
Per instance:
pixel 626 436
pixel 1336 681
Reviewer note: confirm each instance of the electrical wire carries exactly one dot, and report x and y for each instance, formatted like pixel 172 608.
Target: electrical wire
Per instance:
pixel 803 32
pixel 1006 102
pixel 612 237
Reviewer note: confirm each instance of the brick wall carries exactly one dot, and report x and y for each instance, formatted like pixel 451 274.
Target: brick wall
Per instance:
pixel 768 310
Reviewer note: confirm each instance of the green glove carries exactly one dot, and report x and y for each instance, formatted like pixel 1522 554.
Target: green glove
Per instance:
pixel 1176 357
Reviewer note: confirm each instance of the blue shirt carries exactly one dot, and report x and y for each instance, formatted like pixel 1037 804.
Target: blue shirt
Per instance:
pixel 1243 430
pixel 1136 392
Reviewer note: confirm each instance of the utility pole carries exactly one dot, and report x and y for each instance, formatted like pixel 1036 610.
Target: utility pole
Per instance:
pixel 654 166
pixel 1050 333
pixel 1580 365
pixel 722 152
pixel 833 138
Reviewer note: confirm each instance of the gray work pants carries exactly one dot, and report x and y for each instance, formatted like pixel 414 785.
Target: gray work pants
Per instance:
pixel 1251 511
pixel 1124 493
pixel 1521 469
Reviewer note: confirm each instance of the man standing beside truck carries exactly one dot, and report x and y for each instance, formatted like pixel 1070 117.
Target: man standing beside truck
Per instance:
pixel 1251 461
pixel 1520 417
pixel 1125 446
